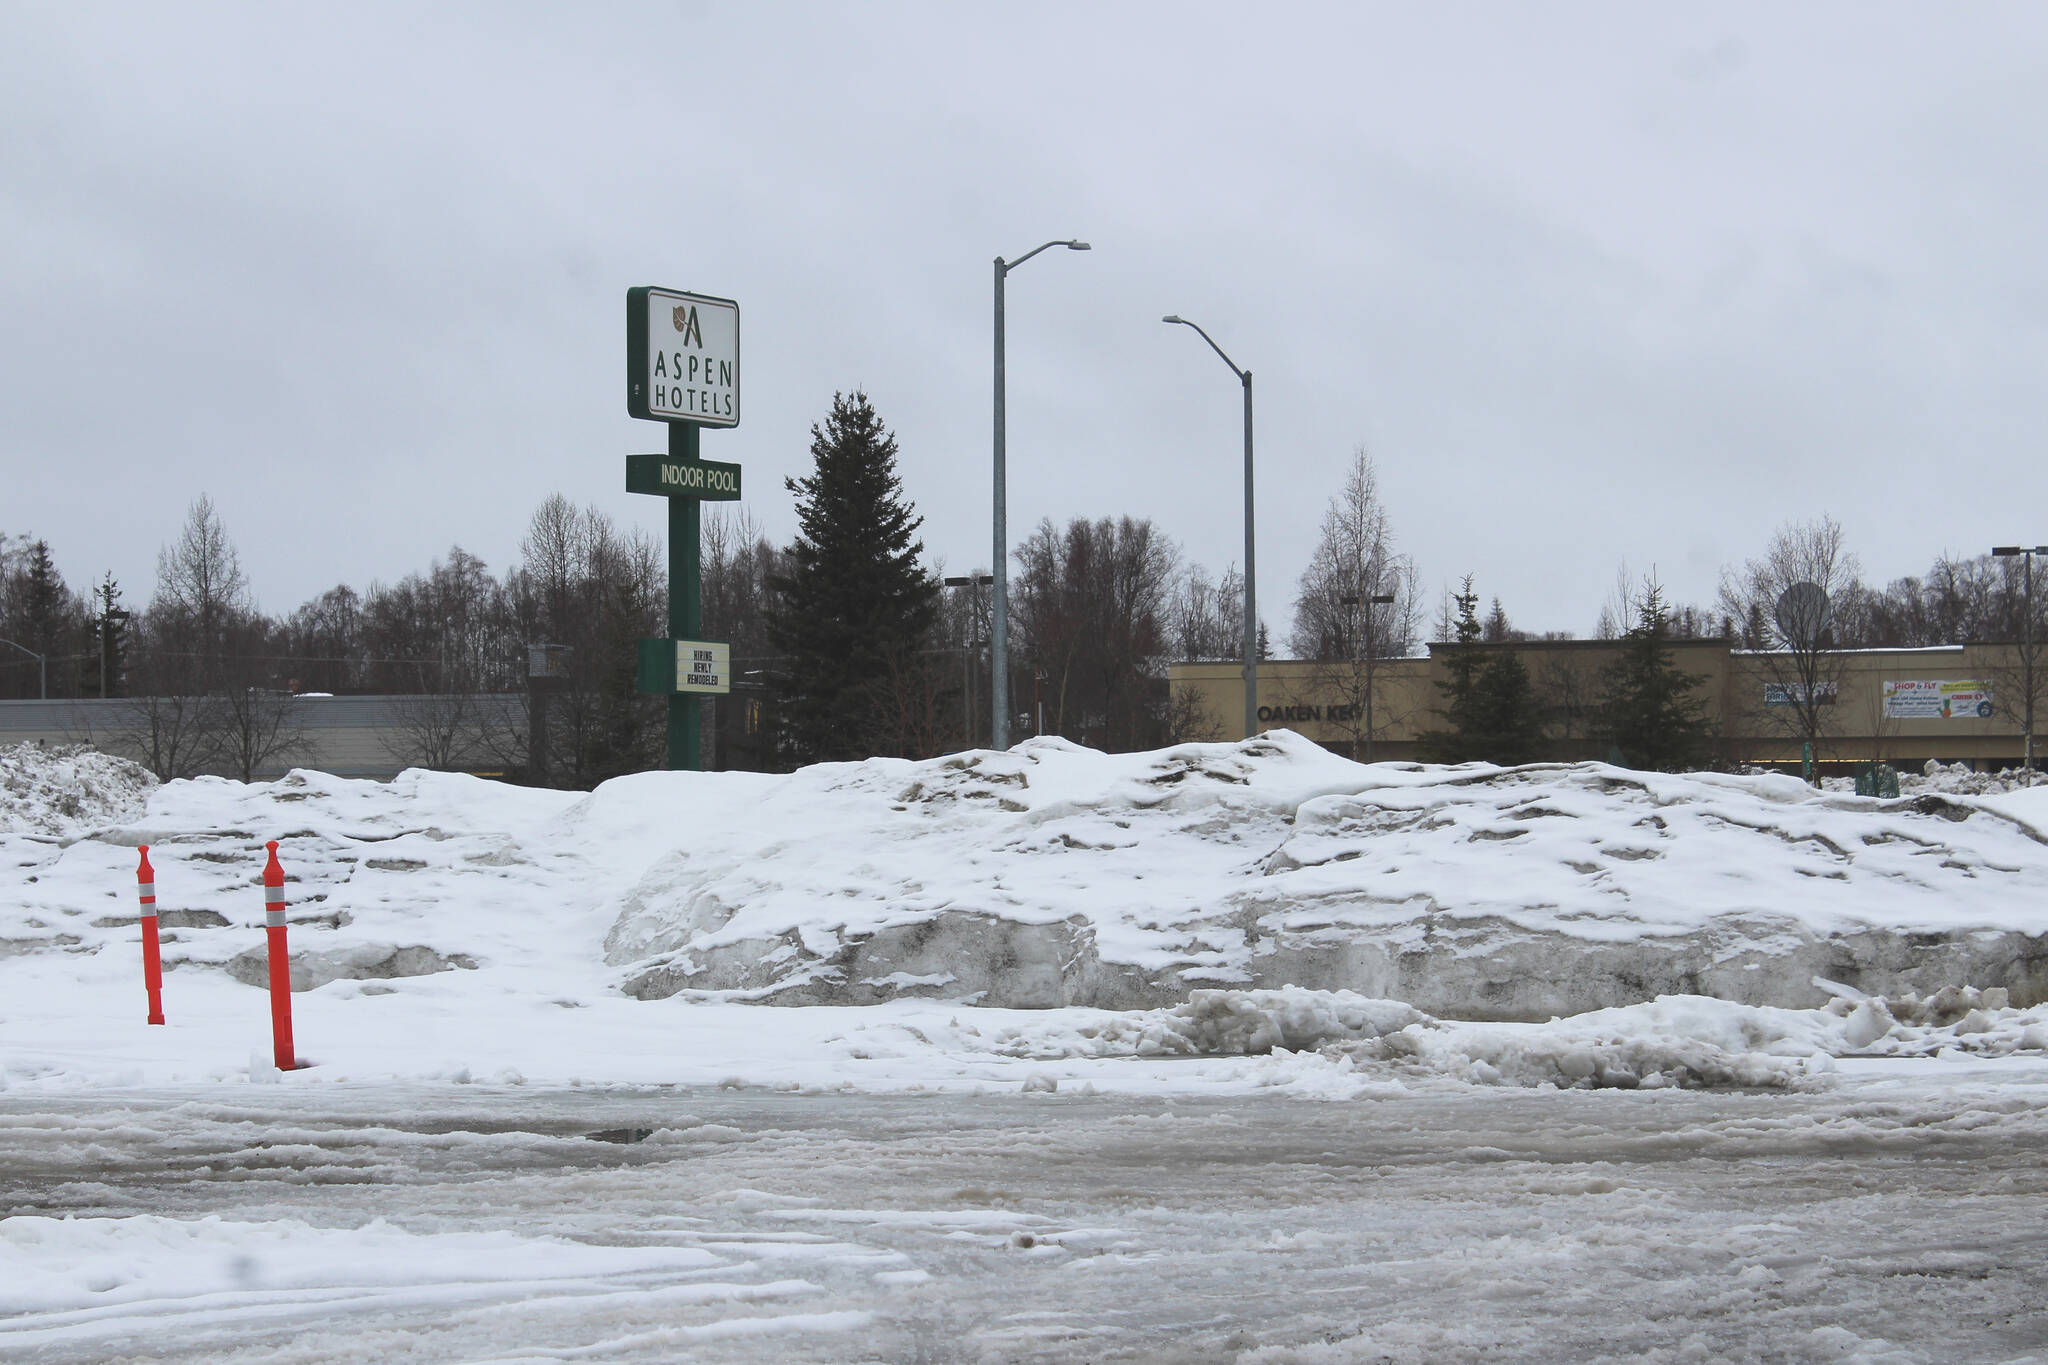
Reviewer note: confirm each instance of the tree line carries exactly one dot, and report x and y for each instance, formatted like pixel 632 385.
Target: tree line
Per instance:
pixel 847 643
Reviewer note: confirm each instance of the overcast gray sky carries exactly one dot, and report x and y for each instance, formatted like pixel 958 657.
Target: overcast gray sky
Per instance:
pixel 1592 282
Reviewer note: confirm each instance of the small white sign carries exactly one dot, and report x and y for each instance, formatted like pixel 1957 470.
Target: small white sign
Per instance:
pixel 691 366
pixel 703 666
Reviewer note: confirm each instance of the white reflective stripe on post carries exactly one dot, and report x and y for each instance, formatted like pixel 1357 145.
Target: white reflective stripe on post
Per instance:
pixel 146 890
pixel 274 918
pixel 273 895
pixel 149 910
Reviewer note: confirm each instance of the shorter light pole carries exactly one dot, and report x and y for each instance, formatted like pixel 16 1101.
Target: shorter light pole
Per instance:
pixel 967 648
pixel 1251 578
pixel 2027 683
pixel 42 668
pixel 1377 599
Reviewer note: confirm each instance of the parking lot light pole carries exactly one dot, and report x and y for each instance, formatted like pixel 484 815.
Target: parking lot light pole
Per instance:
pixel 969 648
pixel 1381 599
pixel 2027 553
pixel 999 635
pixel 1251 594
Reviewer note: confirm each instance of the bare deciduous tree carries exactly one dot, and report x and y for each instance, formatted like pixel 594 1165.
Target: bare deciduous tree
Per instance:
pixel 201 595
pixel 172 734
pixel 1798 681
pixel 444 731
pixel 1354 608
pixel 258 726
pixel 1207 617
pixel 1091 604
pixel 584 585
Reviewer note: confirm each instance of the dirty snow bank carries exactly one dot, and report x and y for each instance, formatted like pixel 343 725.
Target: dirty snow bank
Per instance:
pixel 1053 875
pixel 1685 1041
pixel 1951 779
pixel 63 790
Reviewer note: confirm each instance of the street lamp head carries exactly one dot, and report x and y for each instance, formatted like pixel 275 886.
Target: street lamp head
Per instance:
pixel 1079 246
pixel 1173 317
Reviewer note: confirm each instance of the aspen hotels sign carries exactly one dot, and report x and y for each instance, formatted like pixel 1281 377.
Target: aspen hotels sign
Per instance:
pixel 682 357
pixel 683 370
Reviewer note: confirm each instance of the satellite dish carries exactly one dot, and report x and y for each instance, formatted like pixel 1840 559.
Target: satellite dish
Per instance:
pixel 1803 614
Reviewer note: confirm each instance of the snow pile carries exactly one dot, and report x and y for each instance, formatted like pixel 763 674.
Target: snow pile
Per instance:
pixel 1046 875
pixel 1958 779
pixel 1675 1041
pixel 424 874
pixel 1950 779
pixel 65 789
pixel 1053 876
pixel 1221 1023
pixel 1954 1019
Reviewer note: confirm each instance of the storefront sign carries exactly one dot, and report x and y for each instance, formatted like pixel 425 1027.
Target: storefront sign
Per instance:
pixel 1794 694
pixel 1937 699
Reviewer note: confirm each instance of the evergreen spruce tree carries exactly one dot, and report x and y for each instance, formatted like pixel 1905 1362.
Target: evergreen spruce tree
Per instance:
pixel 1649 711
pixel 1462 663
pixel 852 607
pixel 1489 701
pixel 43 600
pixel 1510 720
pixel 45 619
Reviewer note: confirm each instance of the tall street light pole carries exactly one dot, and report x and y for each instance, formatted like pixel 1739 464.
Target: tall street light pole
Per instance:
pixel 1251 595
pixel 2027 662
pixel 999 636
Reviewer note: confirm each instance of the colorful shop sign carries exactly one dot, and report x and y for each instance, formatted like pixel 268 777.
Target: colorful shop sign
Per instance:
pixel 1937 699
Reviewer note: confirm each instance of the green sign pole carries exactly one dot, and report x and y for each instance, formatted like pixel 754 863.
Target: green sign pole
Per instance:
pixel 685 603
pixel 683 369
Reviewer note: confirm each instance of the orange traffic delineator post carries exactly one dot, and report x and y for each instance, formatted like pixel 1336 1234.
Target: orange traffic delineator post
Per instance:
pixel 152 958
pixel 280 962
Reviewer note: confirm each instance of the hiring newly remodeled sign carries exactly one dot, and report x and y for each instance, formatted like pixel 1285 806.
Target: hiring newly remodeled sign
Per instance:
pixel 682 357
pixel 1937 699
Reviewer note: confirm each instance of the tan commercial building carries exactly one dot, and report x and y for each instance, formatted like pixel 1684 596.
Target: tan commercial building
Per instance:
pixel 1900 706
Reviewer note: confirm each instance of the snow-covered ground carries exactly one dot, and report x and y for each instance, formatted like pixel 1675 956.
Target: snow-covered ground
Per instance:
pixel 487 976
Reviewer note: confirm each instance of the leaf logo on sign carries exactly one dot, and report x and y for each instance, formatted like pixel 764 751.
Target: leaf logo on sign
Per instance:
pixel 685 318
